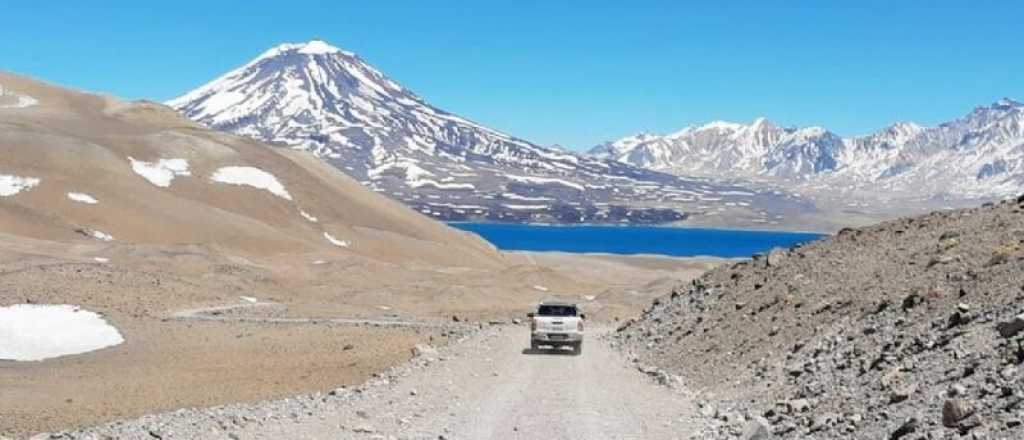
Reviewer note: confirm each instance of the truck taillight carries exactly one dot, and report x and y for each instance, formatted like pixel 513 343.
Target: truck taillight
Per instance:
pixel 579 325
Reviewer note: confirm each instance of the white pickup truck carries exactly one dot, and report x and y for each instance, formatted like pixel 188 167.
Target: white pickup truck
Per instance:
pixel 557 324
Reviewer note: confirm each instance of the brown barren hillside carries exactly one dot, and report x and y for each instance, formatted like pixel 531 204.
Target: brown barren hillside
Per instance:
pixel 94 145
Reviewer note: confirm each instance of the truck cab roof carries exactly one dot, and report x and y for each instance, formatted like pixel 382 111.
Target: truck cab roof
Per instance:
pixel 558 303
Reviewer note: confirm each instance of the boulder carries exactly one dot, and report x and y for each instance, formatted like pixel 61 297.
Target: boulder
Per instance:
pixel 822 422
pixel 953 411
pixel 1010 328
pixel 756 429
pixel 708 411
pixel 903 393
pixel 908 426
pixel 798 406
pixel 957 389
pixel 776 256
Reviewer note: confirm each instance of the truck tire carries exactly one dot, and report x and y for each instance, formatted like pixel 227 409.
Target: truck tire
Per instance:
pixel 534 346
pixel 577 349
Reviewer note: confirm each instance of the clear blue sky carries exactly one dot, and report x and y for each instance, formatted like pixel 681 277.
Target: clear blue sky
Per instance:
pixel 568 72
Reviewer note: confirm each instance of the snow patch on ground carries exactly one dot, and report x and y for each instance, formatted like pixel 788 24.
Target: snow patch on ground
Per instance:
pixel 33 332
pixel 102 236
pixel 545 181
pixel 248 299
pixel 83 198
pixel 525 207
pixel 15 100
pixel 514 196
pixel 11 185
pixel 250 176
pixel 308 216
pixel 161 172
pixel 100 259
pixel 540 288
pixel 319 262
pixel 335 241
pixel 418 183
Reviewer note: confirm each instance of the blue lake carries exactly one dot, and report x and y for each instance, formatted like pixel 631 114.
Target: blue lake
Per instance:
pixel 680 242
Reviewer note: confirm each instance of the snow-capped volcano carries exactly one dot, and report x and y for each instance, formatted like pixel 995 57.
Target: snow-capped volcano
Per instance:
pixel 317 97
pixel 978 156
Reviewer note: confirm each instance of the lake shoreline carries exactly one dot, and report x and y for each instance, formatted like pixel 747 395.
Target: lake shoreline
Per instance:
pixel 635 240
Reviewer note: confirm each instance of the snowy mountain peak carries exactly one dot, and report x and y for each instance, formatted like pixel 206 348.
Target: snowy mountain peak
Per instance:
pixel 318 47
pixel 317 97
pixel 721 125
pixel 295 87
pixel 760 123
pixel 311 47
pixel 1007 103
pixel 902 131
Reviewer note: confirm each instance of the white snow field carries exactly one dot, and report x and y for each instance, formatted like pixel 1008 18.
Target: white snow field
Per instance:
pixel 335 241
pixel 250 176
pixel 161 172
pixel 31 332
pixel 11 185
pixel 82 198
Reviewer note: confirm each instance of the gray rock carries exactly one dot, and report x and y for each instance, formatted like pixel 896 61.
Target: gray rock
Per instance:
pixel 953 411
pixel 799 405
pixel 364 429
pixel 957 390
pixel 949 235
pixel 822 422
pixel 708 410
pixel 970 422
pixel 910 425
pixel 903 393
pixel 1010 328
pixel 756 429
pixel 776 257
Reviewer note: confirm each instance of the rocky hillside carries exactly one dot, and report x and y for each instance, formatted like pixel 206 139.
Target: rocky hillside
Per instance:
pixel 911 329
pixel 317 97
pixel 78 167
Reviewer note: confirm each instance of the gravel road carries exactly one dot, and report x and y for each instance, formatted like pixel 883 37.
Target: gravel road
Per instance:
pixel 489 385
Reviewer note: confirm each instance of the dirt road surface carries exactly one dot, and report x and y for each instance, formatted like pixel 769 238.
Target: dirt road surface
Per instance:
pixel 487 386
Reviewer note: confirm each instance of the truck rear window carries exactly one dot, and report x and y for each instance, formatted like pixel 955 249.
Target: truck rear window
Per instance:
pixel 556 311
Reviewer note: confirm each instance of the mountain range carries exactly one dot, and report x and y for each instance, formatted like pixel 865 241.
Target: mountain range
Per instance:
pixel 314 96
pixel 978 156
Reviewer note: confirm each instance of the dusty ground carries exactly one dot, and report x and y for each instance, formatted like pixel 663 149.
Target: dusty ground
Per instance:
pixel 296 345
pixel 487 386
